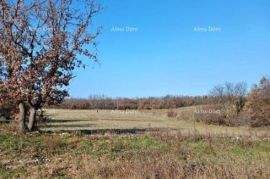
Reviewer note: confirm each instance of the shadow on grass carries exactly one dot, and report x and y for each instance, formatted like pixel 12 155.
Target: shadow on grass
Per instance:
pixel 108 131
pixel 59 125
pixel 63 125
pixel 66 120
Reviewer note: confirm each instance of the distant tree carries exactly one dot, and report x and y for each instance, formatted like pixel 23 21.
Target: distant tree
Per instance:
pixel 40 41
pixel 259 103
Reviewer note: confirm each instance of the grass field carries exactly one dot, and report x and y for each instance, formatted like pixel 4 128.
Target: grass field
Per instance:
pixel 135 144
pixel 87 120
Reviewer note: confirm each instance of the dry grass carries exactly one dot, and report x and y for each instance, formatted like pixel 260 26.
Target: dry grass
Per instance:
pixel 175 149
pixel 144 119
pixel 152 155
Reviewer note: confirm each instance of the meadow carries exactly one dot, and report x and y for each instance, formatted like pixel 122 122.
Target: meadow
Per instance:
pixel 62 120
pixel 163 119
pixel 133 144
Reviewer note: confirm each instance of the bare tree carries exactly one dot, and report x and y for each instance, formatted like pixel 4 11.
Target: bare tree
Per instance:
pixel 39 48
pixel 230 97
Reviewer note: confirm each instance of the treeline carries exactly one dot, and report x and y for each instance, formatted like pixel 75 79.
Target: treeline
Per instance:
pixel 226 104
pixel 233 105
pixel 102 102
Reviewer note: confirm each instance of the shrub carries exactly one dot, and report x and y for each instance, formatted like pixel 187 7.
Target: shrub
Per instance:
pixel 210 114
pixel 171 114
pixel 259 104
pixel 230 99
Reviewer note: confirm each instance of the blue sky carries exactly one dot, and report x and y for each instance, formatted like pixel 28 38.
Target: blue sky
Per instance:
pixel 155 48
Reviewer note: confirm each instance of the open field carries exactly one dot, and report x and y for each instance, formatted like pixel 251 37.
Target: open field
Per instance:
pixel 132 144
pixel 92 120
pixel 134 89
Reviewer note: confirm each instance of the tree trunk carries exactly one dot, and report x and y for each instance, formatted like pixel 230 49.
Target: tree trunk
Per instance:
pixel 22 115
pixel 32 119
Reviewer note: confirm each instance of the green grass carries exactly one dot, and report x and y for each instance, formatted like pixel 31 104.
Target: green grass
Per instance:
pixel 10 173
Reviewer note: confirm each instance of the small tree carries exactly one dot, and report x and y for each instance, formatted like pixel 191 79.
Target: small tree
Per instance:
pixel 259 103
pixel 230 98
pixel 39 48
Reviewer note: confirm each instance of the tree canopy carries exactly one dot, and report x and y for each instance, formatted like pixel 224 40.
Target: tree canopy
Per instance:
pixel 40 44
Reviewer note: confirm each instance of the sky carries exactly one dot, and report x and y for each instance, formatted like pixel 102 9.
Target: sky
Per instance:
pixel 176 47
